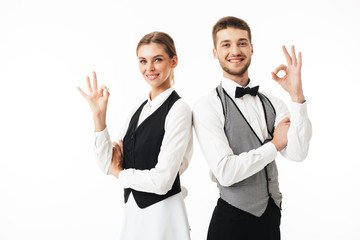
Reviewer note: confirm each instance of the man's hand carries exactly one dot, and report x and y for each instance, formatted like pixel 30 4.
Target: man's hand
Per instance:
pixel 117 162
pixel 280 134
pixel 291 82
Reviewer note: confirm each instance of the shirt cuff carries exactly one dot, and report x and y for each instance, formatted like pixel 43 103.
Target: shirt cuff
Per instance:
pixel 102 135
pixel 123 177
pixel 298 112
pixel 268 151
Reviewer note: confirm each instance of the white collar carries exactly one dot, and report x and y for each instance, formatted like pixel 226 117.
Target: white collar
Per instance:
pixel 159 99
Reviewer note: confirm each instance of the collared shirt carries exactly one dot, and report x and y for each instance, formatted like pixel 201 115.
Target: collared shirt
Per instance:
pixel 228 168
pixel 175 154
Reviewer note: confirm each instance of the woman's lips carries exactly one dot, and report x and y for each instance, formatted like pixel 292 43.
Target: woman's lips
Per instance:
pixel 152 76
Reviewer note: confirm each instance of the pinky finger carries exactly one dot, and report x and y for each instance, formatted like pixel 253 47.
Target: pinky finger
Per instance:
pixel 82 92
pixel 300 59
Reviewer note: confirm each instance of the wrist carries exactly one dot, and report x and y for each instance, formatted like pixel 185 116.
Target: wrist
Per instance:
pixel 298 98
pixel 100 122
pixel 277 145
pixel 273 142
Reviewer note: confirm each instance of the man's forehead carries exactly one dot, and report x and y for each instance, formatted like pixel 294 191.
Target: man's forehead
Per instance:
pixel 231 33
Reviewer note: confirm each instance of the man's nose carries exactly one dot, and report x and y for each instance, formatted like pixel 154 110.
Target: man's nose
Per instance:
pixel 235 50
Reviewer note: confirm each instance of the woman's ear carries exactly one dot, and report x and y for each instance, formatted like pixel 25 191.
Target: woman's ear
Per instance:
pixel 174 61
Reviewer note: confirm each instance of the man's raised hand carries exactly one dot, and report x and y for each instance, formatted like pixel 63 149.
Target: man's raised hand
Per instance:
pixel 291 82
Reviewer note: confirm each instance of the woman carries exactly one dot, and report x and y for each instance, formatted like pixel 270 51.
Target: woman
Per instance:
pixel 155 147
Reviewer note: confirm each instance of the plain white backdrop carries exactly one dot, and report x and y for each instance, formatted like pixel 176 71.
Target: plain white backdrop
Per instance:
pixel 50 185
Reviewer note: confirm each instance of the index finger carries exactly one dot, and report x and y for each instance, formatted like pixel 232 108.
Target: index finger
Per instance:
pixel 287 56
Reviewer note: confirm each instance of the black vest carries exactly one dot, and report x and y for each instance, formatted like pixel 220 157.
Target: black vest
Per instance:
pixel 142 147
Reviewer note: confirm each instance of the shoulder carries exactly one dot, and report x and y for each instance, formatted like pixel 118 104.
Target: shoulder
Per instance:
pixel 180 111
pixel 279 105
pixel 181 106
pixel 208 108
pixel 275 101
pixel 210 101
pixel 136 106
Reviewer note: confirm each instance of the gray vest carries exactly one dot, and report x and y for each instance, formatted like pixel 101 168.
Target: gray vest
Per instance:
pixel 251 194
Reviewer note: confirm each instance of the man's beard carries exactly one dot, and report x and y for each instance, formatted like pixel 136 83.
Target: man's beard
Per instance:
pixel 239 72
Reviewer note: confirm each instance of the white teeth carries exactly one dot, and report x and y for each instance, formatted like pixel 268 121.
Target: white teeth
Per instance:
pixel 152 76
pixel 235 60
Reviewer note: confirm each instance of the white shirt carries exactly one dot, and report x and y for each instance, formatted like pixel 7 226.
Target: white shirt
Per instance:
pixel 228 168
pixel 175 153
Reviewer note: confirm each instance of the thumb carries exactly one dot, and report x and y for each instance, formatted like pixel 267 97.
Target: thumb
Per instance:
pixel 285 120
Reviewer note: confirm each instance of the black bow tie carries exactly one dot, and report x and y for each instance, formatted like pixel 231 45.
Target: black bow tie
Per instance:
pixel 242 91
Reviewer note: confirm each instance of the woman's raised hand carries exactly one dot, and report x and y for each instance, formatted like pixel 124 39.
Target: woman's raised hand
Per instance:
pixel 98 100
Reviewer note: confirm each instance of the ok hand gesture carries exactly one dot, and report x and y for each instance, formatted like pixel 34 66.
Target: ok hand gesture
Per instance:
pixel 291 82
pixel 97 99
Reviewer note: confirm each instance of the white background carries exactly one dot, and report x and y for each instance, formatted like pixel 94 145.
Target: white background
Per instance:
pixel 50 185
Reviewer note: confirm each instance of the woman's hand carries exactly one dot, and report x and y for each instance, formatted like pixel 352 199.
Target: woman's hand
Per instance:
pixel 291 82
pixel 98 100
pixel 117 162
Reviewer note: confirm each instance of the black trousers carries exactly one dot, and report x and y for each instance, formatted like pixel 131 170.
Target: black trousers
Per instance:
pixel 231 223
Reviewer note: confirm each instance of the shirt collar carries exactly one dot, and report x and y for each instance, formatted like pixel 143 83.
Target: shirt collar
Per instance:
pixel 158 100
pixel 230 86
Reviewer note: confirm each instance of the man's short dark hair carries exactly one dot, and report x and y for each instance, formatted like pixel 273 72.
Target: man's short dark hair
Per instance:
pixel 230 21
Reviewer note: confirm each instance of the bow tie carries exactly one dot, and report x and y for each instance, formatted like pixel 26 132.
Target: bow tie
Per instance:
pixel 242 91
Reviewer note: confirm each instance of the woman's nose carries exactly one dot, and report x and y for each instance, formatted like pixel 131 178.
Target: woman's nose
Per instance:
pixel 151 66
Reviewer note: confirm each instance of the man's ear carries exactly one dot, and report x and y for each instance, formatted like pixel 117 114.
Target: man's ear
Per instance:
pixel 215 53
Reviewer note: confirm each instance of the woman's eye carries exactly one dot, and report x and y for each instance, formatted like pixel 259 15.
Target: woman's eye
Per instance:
pixel 142 61
pixel 158 60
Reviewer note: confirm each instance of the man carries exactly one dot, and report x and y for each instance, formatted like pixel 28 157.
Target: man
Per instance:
pixel 241 130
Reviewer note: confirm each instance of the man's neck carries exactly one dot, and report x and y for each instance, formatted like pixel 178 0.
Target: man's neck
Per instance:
pixel 242 80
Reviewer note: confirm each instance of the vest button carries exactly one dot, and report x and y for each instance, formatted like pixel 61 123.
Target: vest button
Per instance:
pixel 269 179
pixel 270 194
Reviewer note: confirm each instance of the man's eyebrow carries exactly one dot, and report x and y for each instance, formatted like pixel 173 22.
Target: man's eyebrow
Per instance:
pixel 224 41
pixel 240 39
